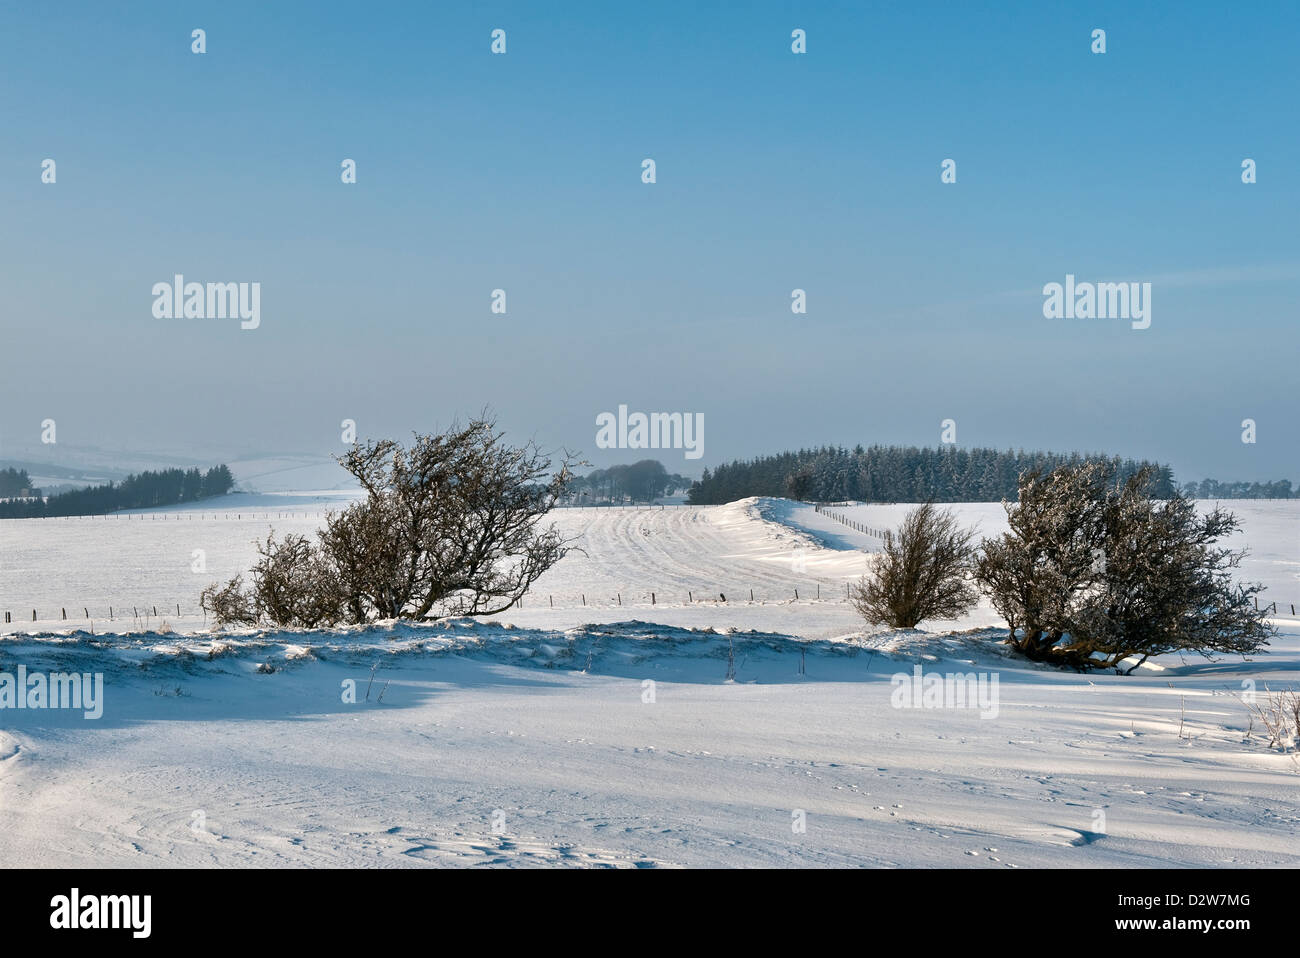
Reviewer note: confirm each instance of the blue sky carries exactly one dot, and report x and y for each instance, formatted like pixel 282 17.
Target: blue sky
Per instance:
pixel 775 171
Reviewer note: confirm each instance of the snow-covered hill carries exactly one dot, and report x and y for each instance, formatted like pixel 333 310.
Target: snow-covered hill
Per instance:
pixel 683 731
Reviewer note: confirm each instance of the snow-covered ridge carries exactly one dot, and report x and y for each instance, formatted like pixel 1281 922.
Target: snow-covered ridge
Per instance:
pixel 593 646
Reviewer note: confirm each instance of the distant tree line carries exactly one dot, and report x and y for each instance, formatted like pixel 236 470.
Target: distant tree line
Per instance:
pixel 1213 489
pixel 166 488
pixel 642 481
pixel 900 474
pixel 16 482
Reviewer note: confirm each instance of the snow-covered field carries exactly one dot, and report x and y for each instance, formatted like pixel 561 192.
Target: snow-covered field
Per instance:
pixel 535 738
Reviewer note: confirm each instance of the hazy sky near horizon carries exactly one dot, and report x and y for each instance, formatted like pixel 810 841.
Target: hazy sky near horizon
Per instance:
pixel 775 171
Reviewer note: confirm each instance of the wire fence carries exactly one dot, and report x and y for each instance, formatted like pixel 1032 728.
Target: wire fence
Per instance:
pixel 177 516
pixel 596 598
pixel 642 506
pixel 254 514
pixel 112 613
pixel 827 509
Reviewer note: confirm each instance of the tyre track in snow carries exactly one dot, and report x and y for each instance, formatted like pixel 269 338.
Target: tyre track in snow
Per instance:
pixel 704 550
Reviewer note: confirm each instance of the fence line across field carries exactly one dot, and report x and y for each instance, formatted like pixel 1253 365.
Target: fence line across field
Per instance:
pixel 255 514
pixel 851 523
pixel 652 597
pixel 656 596
pixel 181 516
pixel 594 599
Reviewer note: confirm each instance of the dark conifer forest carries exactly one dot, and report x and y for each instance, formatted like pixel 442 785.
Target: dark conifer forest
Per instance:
pixel 148 489
pixel 895 474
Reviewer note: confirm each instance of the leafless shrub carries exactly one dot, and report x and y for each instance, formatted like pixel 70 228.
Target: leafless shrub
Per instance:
pixel 923 573
pixel 228 604
pixel 450 526
pixel 1279 713
pixel 294 585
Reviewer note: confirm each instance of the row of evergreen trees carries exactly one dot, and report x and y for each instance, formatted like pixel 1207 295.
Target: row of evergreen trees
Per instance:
pixel 1213 489
pixel 16 482
pixel 148 489
pixel 896 474
pixel 642 481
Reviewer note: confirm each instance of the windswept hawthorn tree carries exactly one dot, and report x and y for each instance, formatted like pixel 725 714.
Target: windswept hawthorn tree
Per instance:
pixel 1095 573
pixel 450 526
